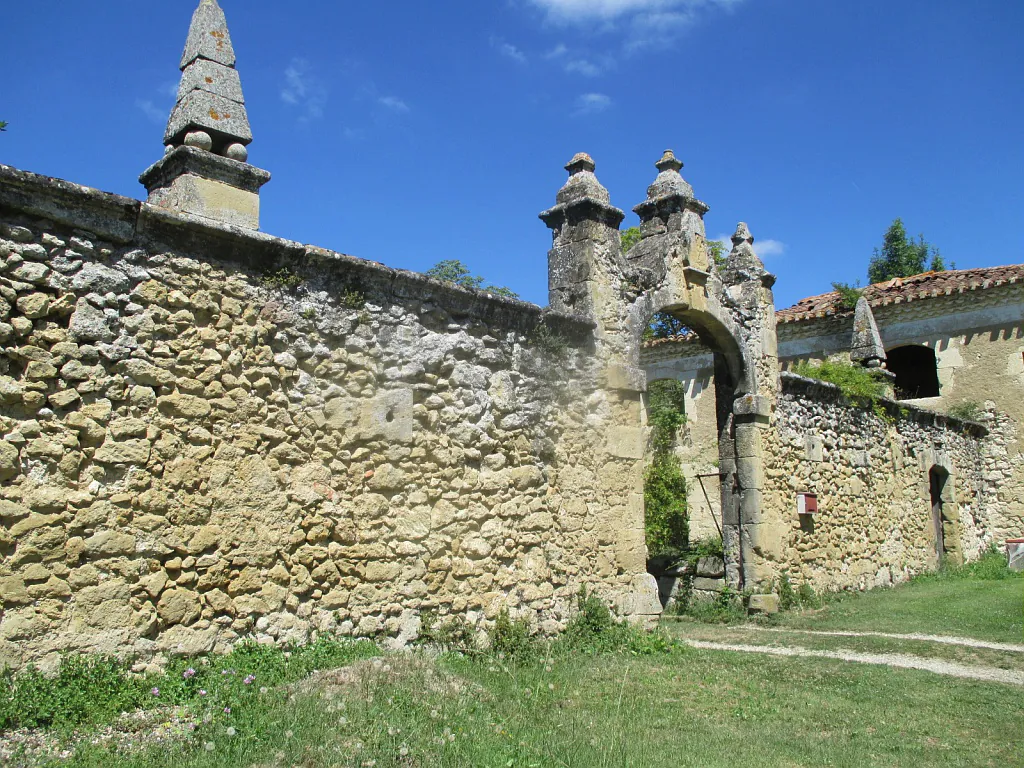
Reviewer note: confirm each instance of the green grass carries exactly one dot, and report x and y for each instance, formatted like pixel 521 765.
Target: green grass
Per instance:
pixel 681 708
pixel 602 695
pixel 982 600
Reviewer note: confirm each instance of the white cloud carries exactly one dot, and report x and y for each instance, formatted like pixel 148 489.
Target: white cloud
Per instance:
pixel 152 111
pixel 302 89
pixel 588 10
pixel 765 249
pixel 557 52
pixel 583 67
pixel 158 108
pixel 646 23
pixel 768 248
pixel 394 104
pixel 508 50
pixel 592 103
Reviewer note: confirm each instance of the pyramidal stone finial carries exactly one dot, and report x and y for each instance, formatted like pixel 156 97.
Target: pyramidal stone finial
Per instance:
pixel 210 110
pixel 742 264
pixel 582 196
pixel 669 162
pixel 670 194
pixel 205 170
pixel 866 347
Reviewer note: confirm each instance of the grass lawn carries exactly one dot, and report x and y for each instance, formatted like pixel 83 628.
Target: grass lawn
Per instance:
pixel 686 708
pixel 642 701
pixel 980 609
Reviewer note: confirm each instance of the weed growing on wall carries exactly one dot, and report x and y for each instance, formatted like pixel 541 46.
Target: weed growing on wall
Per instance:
pixel 859 385
pixel 968 410
pixel 283 279
pixel 666 522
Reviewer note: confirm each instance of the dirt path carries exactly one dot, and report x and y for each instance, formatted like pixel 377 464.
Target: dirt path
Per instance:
pixel 904 661
pixel 967 642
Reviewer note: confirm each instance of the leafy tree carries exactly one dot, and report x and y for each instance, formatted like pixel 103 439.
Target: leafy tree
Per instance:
pixel 902 256
pixel 455 272
pixel 849 295
pixel 666 522
pixel 3 125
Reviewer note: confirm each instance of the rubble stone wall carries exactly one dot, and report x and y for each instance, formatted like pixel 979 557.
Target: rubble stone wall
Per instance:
pixel 870 472
pixel 209 434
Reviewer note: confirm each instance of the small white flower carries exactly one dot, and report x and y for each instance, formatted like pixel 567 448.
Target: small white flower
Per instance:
pixel 231 731
pixel 209 746
pixel 403 750
pixel 288 734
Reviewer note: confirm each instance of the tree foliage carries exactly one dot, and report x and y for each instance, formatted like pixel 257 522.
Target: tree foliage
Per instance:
pixel 3 125
pixel 666 522
pixel 902 256
pixel 455 272
pixel 849 295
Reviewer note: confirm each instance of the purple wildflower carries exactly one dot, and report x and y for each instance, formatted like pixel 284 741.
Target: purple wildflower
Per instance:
pixel 249 679
pixel 155 691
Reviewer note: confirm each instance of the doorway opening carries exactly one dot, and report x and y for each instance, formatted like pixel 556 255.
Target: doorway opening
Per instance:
pixel 944 518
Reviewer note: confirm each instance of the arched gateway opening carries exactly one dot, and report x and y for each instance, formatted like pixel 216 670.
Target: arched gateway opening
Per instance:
pixel 704 453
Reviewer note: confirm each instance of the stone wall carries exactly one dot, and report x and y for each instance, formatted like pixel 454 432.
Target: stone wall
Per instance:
pixel 209 433
pixel 871 476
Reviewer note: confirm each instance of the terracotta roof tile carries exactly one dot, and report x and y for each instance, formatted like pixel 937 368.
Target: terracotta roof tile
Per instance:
pixel 896 291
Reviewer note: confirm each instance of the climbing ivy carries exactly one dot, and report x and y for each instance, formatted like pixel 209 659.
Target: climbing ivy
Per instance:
pixel 666 522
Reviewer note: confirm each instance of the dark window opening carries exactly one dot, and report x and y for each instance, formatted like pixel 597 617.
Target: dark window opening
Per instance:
pixel 916 372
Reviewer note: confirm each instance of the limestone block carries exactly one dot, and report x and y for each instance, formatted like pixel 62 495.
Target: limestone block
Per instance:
pixel 110 544
pixel 210 199
pixel 641 598
pixel 146 374
pixel 706 584
pixel 626 442
pixel 179 606
pixel 34 305
pixel 183 406
pixel 763 604
pixel 13 592
pixel 10 464
pixel 89 323
pixel 128 452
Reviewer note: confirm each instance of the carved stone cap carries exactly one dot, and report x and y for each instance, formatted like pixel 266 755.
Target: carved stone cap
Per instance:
pixel 866 347
pixel 670 192
pixel 189 160
pixel 583 196
pixel 743 264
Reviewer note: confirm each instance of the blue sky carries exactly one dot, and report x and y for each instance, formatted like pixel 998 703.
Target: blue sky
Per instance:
pixel 409 131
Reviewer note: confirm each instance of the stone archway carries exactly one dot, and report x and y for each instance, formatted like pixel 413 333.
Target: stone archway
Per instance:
pixel 730 305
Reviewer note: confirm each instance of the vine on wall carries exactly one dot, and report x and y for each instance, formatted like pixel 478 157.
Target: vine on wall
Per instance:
pixel 666 522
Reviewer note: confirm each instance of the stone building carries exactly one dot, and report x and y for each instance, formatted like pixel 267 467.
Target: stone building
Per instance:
pixel 209 433
pixel 951 339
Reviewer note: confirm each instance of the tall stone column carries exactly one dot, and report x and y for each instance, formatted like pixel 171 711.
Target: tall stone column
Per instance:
pixel 585 278
pixel 750 286
pixel 205 170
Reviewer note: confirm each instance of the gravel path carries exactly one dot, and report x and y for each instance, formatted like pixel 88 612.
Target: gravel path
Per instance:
pixel 967 642
pixel 904 661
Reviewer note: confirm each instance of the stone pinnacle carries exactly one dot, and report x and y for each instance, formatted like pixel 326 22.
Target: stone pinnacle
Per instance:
pixel 210 111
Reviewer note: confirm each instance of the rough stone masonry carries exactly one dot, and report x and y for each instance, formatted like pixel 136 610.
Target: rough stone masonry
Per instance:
pixel 208 433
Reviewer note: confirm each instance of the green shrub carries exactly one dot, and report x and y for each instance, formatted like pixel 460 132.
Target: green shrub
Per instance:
pixel 452 635
pixel 859 385
pixel 666 521
pixel 94 689
pixel 849 295
pixel 510 639
pixel 594 630
pixel 968 410
pixel 283 280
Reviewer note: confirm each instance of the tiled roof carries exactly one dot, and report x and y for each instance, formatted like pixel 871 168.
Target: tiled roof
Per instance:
pixel 899 290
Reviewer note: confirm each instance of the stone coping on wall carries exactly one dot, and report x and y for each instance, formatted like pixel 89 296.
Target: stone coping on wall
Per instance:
pixel 801 386
pixel 124 220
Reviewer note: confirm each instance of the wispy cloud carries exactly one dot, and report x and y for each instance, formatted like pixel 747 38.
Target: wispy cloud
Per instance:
pixel 583 67
pixel 646 22
pixel 508 50
pixel 152 112
pixel 557 52
pixel 394 104
pixel 765 249
pixel 302 89
pixel 157 108
pixel 592 103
